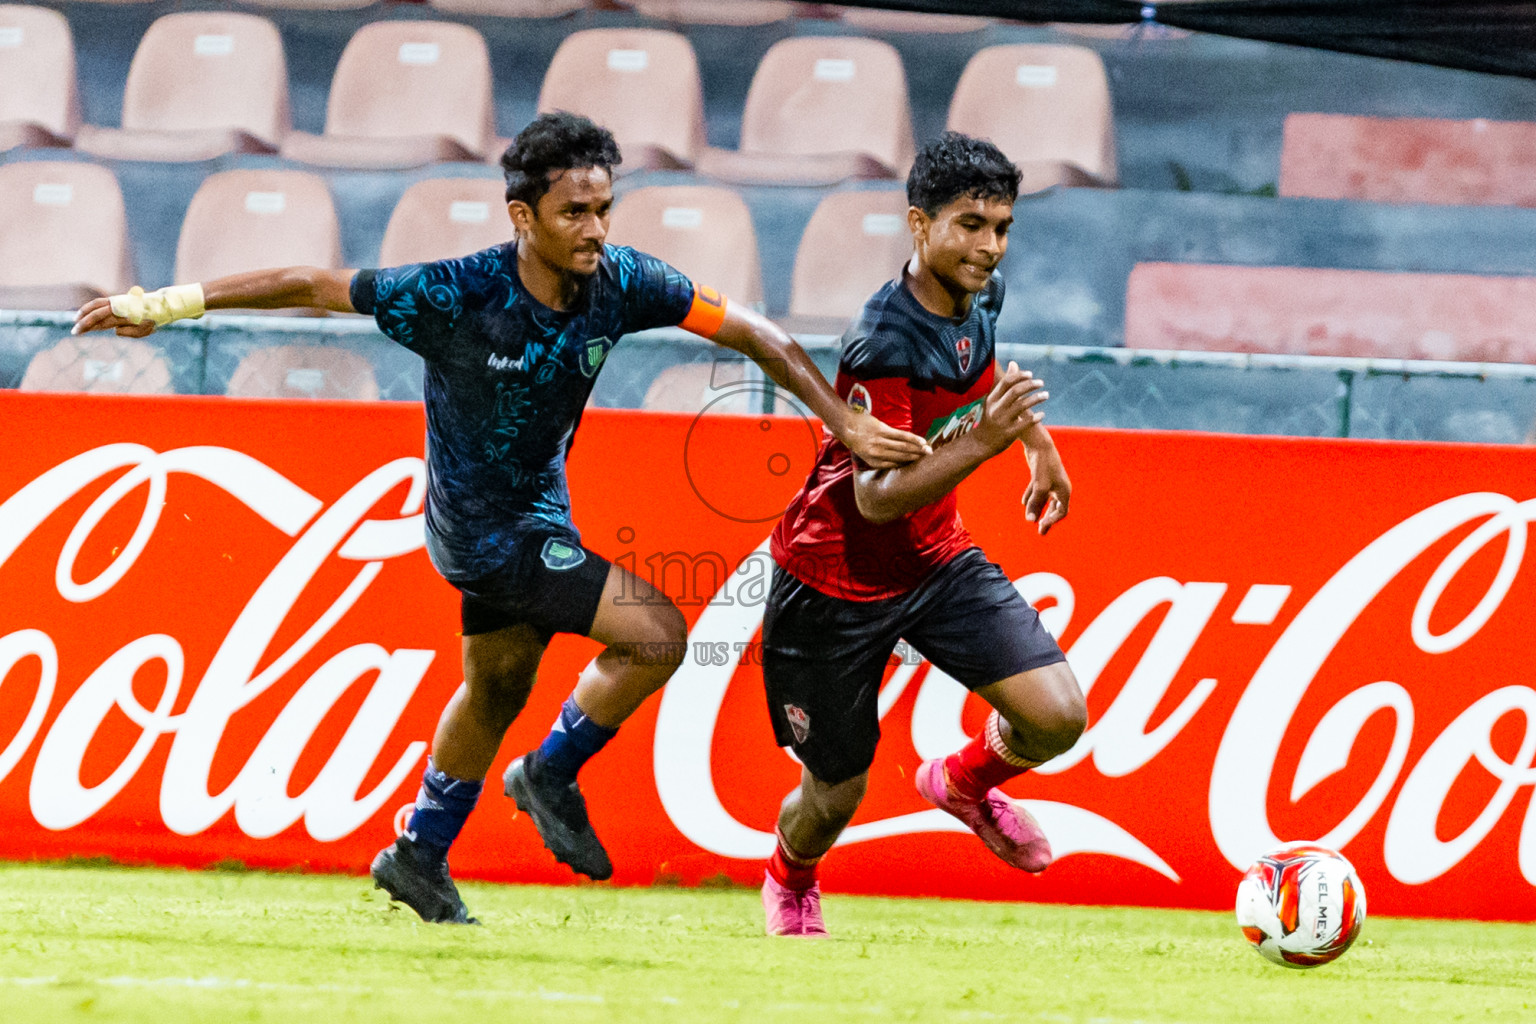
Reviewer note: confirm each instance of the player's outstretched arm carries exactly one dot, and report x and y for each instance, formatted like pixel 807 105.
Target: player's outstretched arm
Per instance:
pixel 137 313
pixel 786 363
pixel 1007 413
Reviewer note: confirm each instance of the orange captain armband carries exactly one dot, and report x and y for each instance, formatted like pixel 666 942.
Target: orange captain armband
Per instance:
pixel 707 312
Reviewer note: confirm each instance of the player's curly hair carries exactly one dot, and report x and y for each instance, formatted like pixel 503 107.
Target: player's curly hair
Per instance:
pixel 956 165
pixel 559 141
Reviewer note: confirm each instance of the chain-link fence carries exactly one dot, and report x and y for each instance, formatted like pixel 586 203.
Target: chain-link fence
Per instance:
pixel 346 357
pixel 1306 396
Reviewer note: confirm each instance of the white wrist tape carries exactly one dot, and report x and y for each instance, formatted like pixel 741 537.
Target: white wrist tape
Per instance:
pixel 180 302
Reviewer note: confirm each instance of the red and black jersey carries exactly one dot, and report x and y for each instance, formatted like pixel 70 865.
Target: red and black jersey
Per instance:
pixel 916 371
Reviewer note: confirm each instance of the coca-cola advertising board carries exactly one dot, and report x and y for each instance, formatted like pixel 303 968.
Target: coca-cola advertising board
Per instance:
pixel 221 639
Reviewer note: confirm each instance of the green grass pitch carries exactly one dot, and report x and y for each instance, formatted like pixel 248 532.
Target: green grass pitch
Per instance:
pixel 121 944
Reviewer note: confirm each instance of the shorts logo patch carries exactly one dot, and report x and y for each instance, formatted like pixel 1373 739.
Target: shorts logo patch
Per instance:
pixel 858 398
pixel 559 556
pixel 799 722
pixel 963 350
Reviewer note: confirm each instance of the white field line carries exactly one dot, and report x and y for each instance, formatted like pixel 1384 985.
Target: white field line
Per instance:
pixel 212 983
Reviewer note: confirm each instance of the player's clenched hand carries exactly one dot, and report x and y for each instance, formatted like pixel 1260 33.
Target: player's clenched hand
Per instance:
pixel 1049 492
pixel 1008 410
pixel 97 315
pixel 880 446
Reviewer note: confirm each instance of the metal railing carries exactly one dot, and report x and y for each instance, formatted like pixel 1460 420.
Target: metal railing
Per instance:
pixel 1106 387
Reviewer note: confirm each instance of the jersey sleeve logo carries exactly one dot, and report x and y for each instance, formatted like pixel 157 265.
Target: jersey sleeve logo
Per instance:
pixel 963 351
pixel 858 398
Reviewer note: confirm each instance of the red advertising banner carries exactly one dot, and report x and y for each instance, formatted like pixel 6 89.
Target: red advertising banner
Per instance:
pixel 221 639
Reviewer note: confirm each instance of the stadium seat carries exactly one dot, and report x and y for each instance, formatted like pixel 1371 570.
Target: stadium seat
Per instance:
pixel 405 94
pixel 63 236
pixel 1409 160
pixel 300 5
pixel 716 12
pixel 442 218
pixel 873 19
pixel 854 243
pixel 255 219
pixel 641 84
pixel 704 231
pixel 1047 107
pixel 1302 311
pixel 201 85
pixel 101 364
pixel 703 387
pixel 821 109
pixel 39 104
pixel 304 371
pixel 509 8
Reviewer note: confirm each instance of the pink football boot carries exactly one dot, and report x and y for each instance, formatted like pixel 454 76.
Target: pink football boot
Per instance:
pixel 1003 824
pixel 793 913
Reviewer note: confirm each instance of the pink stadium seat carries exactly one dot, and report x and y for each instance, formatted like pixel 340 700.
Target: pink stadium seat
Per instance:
pixel 642 84
pixel 822 109
pixel 717 12
pixel 1409 160
pixel 442 218
pixel 102 364
pixel 1300 311
pixel 63 236
pixel 1046 106
pixel 39 105
pixel 703 231
pixel 510 8
pixel 405 94
pixel 854 243
pixel 201 85
pixel 872 19
pixel 304 371
pixel 703 387
pixel 301 5
pixel 255 219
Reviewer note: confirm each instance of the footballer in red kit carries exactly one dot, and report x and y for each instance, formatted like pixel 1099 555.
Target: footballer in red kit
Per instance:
pixel 867 557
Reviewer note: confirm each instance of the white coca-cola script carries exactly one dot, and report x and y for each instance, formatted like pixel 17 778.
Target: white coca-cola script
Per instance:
pixel 1119 742
pixel 330 807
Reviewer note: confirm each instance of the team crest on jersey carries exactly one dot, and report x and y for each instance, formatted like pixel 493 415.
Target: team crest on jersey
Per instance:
pixel 799 722
pixel 963 351
pixel 858 398
pixel 592 355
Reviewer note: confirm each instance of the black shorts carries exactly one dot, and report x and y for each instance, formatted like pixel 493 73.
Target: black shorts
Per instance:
pixel 555 587
pixel 824 657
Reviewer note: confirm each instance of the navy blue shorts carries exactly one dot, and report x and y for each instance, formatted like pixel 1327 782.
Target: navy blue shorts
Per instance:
pixel 555 587
pixel 824 657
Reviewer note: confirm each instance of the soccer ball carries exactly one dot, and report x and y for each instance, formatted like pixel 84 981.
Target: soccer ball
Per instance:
pixel 1301 905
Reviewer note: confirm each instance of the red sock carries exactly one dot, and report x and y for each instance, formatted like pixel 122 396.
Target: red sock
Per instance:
pixel 790 869
pixel 983 763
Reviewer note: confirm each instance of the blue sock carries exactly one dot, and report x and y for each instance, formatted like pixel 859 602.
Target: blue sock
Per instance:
pixel 442 806
pixel 571 742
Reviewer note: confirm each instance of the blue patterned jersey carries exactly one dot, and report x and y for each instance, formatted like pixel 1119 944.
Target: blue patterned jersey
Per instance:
pixel 506 381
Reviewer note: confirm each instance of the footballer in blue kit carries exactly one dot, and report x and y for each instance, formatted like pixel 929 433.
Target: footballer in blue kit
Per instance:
pixel 513 339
